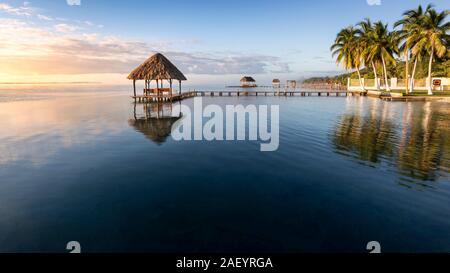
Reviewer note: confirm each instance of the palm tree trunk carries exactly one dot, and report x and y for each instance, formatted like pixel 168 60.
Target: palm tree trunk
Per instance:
pixel 411 86
pixel 360 80
pixel 385 75
pixel 430 90
pixel 377 86
pixel 406 69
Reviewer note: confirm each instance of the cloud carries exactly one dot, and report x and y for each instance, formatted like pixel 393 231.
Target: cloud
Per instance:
pixel 65 28
pixel 44 17
pixel 68 47
pixel 374 2
pixel 27 48
pixel 24 10
pixel 225 63
pixel 74 2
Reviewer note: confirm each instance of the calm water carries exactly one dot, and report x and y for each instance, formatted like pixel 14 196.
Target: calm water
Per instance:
pixel 82 165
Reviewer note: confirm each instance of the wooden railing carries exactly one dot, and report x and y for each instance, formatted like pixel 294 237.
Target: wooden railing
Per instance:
pixel 157 90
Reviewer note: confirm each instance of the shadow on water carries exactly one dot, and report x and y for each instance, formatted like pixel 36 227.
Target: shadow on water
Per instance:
pixel 414 140
pixel 154 120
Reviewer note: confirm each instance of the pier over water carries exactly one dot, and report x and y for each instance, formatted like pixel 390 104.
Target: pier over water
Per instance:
pixel 247 93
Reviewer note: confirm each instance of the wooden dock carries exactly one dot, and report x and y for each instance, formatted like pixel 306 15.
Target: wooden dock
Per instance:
pixel 191 94
pixel 164 98
pixel 274 93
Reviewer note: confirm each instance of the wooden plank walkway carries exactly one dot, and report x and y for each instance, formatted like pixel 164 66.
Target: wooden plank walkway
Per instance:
pixel 191 94
pixel 319 93
pixel 164 98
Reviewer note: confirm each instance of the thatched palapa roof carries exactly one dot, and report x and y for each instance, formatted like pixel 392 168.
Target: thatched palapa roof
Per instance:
pixel 247 79
pixel 157 67
pixel 276 81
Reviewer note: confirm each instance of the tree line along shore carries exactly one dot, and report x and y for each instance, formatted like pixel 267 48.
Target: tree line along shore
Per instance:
pixel 417 47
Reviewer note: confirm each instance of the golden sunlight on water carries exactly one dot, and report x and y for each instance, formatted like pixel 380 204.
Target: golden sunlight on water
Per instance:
pixel 35 125
pixel 410 138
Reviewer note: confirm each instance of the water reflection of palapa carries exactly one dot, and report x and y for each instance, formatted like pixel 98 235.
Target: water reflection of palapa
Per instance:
pixel 155 121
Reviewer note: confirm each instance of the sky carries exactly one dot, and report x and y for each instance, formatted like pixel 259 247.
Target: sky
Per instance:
pixel 211 42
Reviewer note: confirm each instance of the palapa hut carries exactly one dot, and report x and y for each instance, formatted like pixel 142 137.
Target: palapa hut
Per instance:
pixel 248 82
pixel 276 83
pixel 157 68
pixel 291 84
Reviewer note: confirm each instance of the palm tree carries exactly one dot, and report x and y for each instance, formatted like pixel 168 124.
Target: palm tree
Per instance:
pixel 411 26
pixel 417 58
pixel 383 47
pixel 347 49
pixel 366 34
pixel 434 38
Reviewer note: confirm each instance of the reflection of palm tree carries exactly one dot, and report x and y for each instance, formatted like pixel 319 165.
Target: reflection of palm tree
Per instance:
pixel 155 122
pixel 427 148
pixel 406 121
pixel 419 151
pixel 366 137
